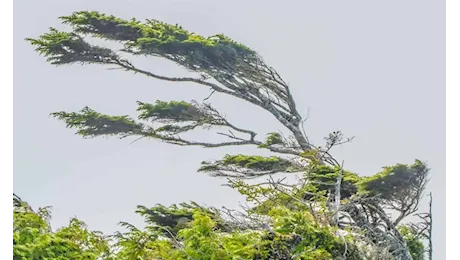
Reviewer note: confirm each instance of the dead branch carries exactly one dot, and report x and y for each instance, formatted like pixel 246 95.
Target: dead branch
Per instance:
pixel 337 195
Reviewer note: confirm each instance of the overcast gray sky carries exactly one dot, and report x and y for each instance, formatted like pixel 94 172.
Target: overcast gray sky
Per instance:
pixel 372 69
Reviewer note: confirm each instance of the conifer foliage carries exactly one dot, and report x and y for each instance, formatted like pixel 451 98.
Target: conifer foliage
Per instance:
pixel 330 213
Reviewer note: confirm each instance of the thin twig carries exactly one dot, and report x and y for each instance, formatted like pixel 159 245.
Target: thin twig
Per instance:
pixel 137 139
pixel 212 92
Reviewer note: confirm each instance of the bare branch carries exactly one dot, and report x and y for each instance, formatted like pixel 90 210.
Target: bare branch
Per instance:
pixel 222 168
pixel 183 142
pixel 212 92
pixel 430 234
pixel 337 195
pixel 424 228
pixel 389 236
pixel 261 102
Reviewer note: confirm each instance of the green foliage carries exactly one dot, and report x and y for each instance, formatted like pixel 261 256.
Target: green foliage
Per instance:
pixel 313 241
pixel 416 248
pixel 396 181
pixel 34 240
pixel 203 241
pixel 273 199
pixel 272 139
pixel 139 244
pixel 297 219
pixel 200 239
pixel 65 48
pixel 201 236
pixel 151 37
pixel 90 123
pixel 169 111
pixel 249 166
pixel 176 217
pixel 324 178
pixel 256 162
pixel 266 197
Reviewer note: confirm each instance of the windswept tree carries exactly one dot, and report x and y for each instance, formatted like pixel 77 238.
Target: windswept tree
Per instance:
pixel 331 213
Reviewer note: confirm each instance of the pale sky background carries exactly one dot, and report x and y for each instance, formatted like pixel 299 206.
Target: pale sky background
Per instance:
pixel 372 69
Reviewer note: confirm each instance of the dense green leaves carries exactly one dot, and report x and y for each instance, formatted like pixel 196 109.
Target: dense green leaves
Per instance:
pixel 398 187
pixel 33 238
pixel 324 178
pixel 249 166
pixel 191 231
pixel 256 162
pixel 174 111
pixel 90 123
pixel 151 37
pixel 396 181
pixel 272 139
pixel 415 245
pixel 66 48
pixel 177 217
pixel 186 232
pixel 313 240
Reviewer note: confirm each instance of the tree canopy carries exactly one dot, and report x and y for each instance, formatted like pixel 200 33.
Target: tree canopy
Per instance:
pixel 330 213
